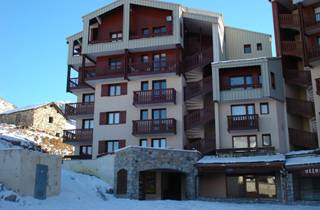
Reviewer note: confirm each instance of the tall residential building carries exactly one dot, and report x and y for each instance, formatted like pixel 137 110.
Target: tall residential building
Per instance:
pixel 170 84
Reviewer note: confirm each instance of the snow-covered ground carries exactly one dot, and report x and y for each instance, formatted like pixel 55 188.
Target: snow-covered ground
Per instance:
pixel 5 105
pixel 89 193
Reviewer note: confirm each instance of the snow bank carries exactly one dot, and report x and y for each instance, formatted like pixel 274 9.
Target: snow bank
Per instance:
pixel 247 159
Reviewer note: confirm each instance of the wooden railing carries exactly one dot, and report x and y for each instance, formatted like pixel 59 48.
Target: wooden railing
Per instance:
pixel 205 146
pixel 150 35
pixel 318 86
pixel 293 48
pixel 109 71
pixel 198 59
pixel 198 117
pixel 314 52
pixel 154 96
pixel 140 127
pixel 300 107
pixel 289 20
pixel 243 122
pixel 77 135
pixel 198 88
pixel 245 151
pixel 296 77
pixel 82 108
pixel 77 157
pixel 310 21
pixel 165 66
pixel 303 139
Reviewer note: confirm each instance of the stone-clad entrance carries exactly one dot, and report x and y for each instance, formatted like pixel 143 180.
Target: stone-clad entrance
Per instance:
pixel 156 173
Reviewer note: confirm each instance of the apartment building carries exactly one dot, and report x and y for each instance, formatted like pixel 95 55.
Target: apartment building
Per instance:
pixel 185 104
pixel 297 35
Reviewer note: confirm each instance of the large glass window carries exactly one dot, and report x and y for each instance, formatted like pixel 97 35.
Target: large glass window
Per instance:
pixel 309 188
pixel 113 118
pixel 242 142
pixel 241 81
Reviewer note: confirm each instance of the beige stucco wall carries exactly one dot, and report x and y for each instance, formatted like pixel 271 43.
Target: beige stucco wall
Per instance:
pixel 18 171
pixel 274 123
pixel 125 103
pixel 212 186
pixel 315 74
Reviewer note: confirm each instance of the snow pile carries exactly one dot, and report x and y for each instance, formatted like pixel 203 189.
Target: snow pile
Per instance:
pixel 5 105
pixel 8 195
pixel 245 159
pixel 14 137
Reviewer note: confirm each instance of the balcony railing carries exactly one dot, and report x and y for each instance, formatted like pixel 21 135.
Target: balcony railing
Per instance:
pixel 299 78
pixel 77 135
pixel 303 139
pixel 73 83
pixel 199 117
pixel 289 21
pixel 235 152
pixel 105 40
pixel 312 26
pixel 83 108
pixel 198 88
pixel 154 96
pixel 198 60
pixel 77 157
pixel 314 53
pixel 150 35
pixel 243 122
pixel 162 126
pixel 244 86
pixel 318 86
pixel 109 71
pixel 205 146
pixel 165 66
pixel 300 107
pixel 292 48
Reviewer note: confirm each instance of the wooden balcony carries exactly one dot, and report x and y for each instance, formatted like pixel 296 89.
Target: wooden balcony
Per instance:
pixel 298 78
pixel 205 146
pixel 74 84
pixel 289 21
pixel 198 60
pixel 83 108
pixel 77 157
pixel 167 66
pixel 198 88
pixel 300 107
pixel 303 139
pixel 243 122
pixel 77 136
pixel 235 152
pixel 150 35
pixel 107 72
pixel 198 117
pixel 311 25
pixel 318 86
pixel 229 87
pixel 314 53
pixel 163 126
pixel 148 97
pixel 292 48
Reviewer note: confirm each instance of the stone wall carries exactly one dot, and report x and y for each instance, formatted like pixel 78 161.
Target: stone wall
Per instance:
pixel 24 119
pixel 138 159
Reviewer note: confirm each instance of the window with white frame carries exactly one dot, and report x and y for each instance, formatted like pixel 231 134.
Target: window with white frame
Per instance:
pixel 113 118
pixel 159 143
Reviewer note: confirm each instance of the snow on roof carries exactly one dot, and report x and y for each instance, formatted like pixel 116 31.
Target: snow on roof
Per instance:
pixel 32 107
pixel 247 159
pixel 306 160
pixel 302 152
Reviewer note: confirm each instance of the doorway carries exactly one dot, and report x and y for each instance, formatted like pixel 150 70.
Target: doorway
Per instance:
pixel 171 186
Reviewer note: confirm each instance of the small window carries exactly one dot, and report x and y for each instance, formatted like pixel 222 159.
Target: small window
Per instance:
pixel 115 64
pixel 87 124
pixel 259 47
pixel 143 143
pixel 266 140
pixel 264 108
pixel 273 80
pixel 113 118
pixel 88 98
pixel 144 114
pixel 145 32
pixel 318 40
pixel 116 36
pixel 86 150
pixel 114 90
pixel 57 134
pixel 145 59
pixel 144 85
pixel 247 48
pixel 50 119
pixel 112 146
pixel 245 109
pixel 169 18
pixel 317 14
pixel 159 30
pixel 159 143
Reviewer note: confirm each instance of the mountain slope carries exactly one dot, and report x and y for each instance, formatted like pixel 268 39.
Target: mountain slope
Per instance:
pixel 5 105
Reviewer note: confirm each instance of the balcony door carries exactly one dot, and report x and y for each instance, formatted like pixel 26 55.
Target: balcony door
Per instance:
pixel 158 88
pixel 159 61
pixel 158 116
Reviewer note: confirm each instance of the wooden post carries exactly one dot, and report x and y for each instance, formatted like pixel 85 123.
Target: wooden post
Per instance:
pixel 302 32
pixel 126 63
pixel 178 59
pixel 68 78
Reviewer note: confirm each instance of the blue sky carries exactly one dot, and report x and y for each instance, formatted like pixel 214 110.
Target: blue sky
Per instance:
pixel 33 49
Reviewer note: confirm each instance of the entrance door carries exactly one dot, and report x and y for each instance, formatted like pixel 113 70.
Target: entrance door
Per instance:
pixel 171 186
pixel 40 187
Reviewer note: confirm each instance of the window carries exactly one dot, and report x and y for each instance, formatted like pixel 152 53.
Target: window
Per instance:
pixel 273 80
pixel 114 90
pixel 159 143
pixel 76 48
pixel 159 61
pixel 241 81
pixel 144 114
pixel 50 119
pixel 145 59
pixel 259 47
pixel 169 18
pixel 88 97
pixel 94 34
pixel 115 64
pixel 264 108
pixel 159 30
pixel 143 143
pixel 159 84
pixel 266 140
pixel 112 146
pixel 116 36
pixel 145 32
pixel 86 150
pixel 247 109
pixel 87 124
pixel 158 114
pixel 244 142
pixel 317 14
pixel 318 40
pixel 144 85
pixel 113 118
pixel 247 49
